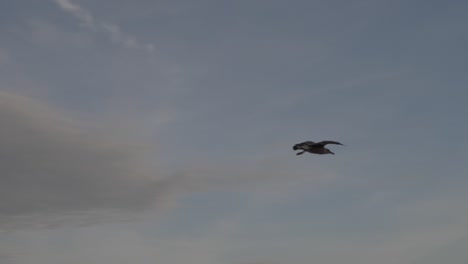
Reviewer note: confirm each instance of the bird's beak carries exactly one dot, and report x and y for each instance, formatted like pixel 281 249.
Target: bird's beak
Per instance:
pixel 332 153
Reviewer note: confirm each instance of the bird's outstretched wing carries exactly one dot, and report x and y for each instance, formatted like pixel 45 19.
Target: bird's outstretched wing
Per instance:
pixel 325 142
pixel 303 144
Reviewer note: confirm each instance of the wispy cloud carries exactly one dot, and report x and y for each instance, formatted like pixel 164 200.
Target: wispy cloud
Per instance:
pixel 112 30
pixel 82 14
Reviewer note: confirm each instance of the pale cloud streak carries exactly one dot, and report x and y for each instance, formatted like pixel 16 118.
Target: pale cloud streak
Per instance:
pixel 82 14
pixel 112 30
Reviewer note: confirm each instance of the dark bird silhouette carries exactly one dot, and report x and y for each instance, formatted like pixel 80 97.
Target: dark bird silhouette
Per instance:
pixel 316 148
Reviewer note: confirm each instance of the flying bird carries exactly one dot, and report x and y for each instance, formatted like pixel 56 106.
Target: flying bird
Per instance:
pixel 316 148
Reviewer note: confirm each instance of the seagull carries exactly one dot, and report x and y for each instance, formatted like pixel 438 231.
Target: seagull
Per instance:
pixel 316 148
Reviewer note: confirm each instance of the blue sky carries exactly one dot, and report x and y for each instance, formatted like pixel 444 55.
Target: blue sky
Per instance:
pixel 142 131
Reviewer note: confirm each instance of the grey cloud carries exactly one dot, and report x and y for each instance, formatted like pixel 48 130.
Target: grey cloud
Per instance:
pixel 56 168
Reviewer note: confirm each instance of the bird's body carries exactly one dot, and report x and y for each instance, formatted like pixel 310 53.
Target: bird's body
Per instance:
pixel 315 148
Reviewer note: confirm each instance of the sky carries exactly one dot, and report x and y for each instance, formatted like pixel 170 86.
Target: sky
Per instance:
pixel 162 132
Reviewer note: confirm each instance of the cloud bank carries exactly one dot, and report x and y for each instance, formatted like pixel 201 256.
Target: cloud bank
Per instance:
pixel 53 167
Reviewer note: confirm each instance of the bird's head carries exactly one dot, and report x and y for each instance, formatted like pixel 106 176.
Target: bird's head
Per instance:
pixel 327 151
pixel 295 147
